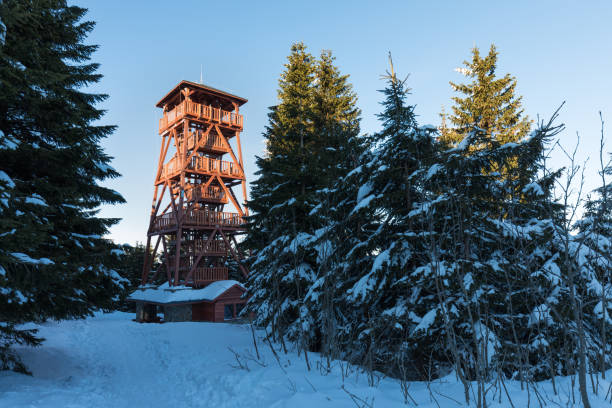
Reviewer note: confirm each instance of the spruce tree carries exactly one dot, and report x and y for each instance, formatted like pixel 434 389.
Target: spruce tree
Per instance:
pixel 391 193
pixel 53 257
pixel 502 272
pixel 314 123
pixel 279 201
pixel 336 121
pixel 487 104
pixel 490 261
pixel 367 239
pixel 537 251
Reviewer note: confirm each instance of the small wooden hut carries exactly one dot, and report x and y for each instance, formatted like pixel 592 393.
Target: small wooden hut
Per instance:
pixel 219 301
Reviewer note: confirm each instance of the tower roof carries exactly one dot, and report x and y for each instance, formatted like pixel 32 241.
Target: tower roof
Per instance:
pixel 203 89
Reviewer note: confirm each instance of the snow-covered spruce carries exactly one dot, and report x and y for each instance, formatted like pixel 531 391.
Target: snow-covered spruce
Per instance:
pixel 315 123
pixel 54 262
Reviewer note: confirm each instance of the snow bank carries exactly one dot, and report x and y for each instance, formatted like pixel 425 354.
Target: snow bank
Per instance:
pixel 111 361
pixel 165 294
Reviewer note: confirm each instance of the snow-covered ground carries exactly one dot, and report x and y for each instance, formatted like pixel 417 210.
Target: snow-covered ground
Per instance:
pixel 111 361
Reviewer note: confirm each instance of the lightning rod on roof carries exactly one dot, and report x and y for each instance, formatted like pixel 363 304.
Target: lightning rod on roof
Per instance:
pixel 201 74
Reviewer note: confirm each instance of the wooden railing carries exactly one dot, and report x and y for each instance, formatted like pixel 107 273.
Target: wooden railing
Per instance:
pixel 194 248
pixel 189 253
pixel 203 164
pixel 202 275
pixel 214 166
pixel 205 217
pixel 214 247
pixel 213 141
pixel 210 193
pixel 173 166
pixel 163 222
pixel 202 112
pixel 198 218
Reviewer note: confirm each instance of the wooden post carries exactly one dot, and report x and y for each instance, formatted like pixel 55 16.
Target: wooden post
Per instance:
pixel 145 266
pixel 244 191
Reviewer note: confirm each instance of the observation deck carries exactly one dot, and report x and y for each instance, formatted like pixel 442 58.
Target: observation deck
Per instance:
pixel 201 112
pixel 201 165
pixel 196 219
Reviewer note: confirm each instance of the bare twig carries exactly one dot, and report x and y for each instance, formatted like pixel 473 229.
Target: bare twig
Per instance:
pixel 275 354
pixel 254 339
pixel 313 387
pixel 360 402
pixel 241 365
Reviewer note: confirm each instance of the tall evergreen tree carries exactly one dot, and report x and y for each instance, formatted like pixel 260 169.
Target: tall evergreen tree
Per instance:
pixel 54 261
pixel 435 245
pixel 279 201
pixel 313 124
pixel 387 196
pixel 497 288
pixel 488 103
pixel 486 266
pixel 336 121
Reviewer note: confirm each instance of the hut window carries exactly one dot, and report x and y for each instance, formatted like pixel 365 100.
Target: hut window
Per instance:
pixel 239 307
pixel 228 312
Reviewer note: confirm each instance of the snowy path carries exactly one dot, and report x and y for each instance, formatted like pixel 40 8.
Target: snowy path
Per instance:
pixel 110 361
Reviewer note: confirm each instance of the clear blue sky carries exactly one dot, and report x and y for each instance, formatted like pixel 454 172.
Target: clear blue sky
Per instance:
pixel 558 50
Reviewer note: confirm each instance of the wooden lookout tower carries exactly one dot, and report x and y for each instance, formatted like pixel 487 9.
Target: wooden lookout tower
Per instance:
pixel 196 173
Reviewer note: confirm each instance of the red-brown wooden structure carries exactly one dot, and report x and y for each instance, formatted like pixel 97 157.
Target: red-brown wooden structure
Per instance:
pixel 197 170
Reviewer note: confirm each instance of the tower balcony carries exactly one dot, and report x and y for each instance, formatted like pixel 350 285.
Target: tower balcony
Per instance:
pixel 190 249
pixel 210 194
pixel 214 248
pixel 213 142
pixel 203 276
pixel 204 165
pixel 196 219
pixel 202 112
pixel 207 165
